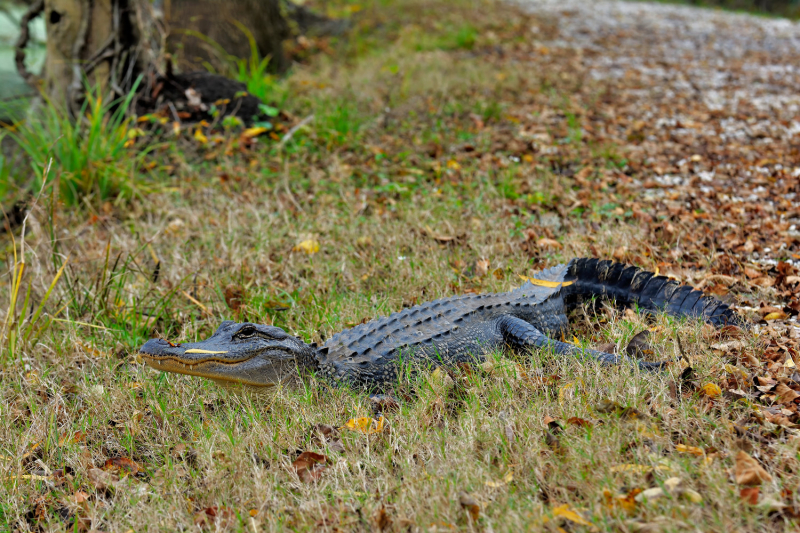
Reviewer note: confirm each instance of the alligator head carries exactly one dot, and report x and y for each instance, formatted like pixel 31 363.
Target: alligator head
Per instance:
pixel 250 354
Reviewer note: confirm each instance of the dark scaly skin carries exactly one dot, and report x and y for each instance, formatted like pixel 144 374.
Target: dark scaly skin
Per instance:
pixel 460 329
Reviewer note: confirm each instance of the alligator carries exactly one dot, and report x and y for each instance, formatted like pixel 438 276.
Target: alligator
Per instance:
pixel 445 332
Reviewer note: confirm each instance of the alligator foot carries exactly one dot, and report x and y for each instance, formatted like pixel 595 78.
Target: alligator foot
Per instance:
pixel 521 334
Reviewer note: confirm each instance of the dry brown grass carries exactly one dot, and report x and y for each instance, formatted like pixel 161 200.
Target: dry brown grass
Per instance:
pixel 396 226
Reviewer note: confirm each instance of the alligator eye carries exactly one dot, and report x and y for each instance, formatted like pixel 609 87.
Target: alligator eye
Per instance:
pixel 246 332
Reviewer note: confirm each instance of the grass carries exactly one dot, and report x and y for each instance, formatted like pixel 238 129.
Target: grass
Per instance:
pixel 90 156
pixel 381 181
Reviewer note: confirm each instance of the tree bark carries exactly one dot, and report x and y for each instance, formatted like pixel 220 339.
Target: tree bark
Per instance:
pixel 206 32
pixel 105 44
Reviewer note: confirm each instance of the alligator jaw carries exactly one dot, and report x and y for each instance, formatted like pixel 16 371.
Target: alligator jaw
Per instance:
pixel 222 366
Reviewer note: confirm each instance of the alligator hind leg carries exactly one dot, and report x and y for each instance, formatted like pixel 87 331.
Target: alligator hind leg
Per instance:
pixel 520 334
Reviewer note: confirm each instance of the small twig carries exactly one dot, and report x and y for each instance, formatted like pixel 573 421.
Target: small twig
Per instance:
pixel 174 112
pixel 286 138
pixel 196 302
pixel 680 348
pixel 24 34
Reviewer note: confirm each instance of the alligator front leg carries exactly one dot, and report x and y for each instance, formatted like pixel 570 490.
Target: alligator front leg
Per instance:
pixel 522 335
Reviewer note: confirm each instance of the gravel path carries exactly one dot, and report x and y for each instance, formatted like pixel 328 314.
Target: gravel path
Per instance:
pixel 723 58
pixel 705 106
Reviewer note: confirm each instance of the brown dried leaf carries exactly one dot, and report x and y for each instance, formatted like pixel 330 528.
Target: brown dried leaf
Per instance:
pixel 785 394
pixel 381 519
pixel 471 505
pixel 327 436
pixel 101 479
pixel 580 422
pixel 210 516
pixel 748 471
pixel 310 466
pixel 547 244
pixel 749 495
pixel 234 297
pixel 639 346
pixel 122 464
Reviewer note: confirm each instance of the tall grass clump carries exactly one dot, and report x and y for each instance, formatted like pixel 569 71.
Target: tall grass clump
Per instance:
pixel 252 71
pixel 25 320
pixel 89 152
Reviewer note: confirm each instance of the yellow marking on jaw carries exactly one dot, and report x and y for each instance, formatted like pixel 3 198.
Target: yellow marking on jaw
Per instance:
pixel 545 283
pixel 195 350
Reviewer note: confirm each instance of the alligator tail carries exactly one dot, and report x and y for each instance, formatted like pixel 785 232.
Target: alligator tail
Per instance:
pixel 629 285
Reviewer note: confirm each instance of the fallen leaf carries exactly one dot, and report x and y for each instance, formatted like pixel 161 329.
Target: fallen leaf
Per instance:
pixel 327 436
pixel 101 479
pixel 785 394
pixel 554 443
pixel 381 519
pixel 748 471
pixel 575 421
pixel 711 390
pixel 673 486
pixel 249 133
pixel 308 246
pixel 565 512
pixel 200 137
pixel 749 495
pixel 640 469
pixel 123 464
pixel 215 515
pixel 234 297
pixel 471 505
pixel 382 403
pixel 607 406
pixel 779 315
pixel 771 505
pixel 546 243
pixel 627 502
pixel 639 346
pixel 694 450
pixel 481 267
pixel 508 478
pixel 365 425
pixel 310 466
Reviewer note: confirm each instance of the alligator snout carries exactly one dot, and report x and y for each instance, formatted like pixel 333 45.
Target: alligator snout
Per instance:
pixel 159 347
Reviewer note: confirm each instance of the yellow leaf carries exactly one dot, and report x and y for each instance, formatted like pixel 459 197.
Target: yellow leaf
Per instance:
pixel 309 246
pixel 694 450
pixel 508 478
pixel 365 425
pixel 453 165
pixel 639 469
pixel 545 283
pixel 253 132
pixel 199 137
pixel 566 513
pixel 778 315
pixel 711 390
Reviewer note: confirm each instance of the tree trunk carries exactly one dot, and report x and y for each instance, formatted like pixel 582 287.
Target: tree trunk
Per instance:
pixel 207 32
pixel 107 44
